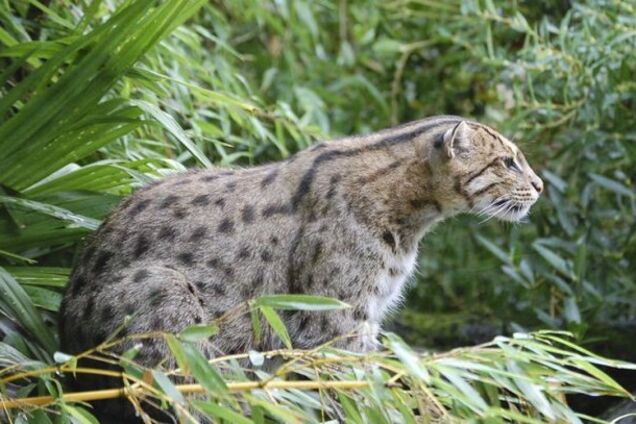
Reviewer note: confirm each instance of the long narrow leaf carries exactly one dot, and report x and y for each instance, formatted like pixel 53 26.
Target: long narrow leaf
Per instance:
pixel 300 302
pixel 54 211
pixel 16 305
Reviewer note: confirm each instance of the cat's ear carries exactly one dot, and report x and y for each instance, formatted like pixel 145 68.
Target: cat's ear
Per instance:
pixel 456 140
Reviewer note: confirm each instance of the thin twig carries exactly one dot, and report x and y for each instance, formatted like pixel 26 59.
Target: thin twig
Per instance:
pixel 246 386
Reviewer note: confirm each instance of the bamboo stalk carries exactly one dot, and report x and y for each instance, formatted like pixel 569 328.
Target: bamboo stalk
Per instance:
pixel 184 388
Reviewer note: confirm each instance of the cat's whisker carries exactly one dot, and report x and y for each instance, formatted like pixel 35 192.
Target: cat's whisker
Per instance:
pixel 493 209
pixel 496 213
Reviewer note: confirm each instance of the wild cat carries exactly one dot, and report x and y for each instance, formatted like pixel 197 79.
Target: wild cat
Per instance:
pixel 340 219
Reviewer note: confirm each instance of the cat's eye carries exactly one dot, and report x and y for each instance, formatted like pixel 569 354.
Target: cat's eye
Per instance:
pixel 511 164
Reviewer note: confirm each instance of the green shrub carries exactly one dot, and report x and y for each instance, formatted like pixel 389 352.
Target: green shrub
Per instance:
pixel 99 99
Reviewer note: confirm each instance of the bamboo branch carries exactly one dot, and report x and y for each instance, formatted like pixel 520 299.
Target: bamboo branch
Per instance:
pixel 185 388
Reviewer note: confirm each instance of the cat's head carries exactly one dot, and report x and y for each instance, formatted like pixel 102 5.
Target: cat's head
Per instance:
pixel 483 172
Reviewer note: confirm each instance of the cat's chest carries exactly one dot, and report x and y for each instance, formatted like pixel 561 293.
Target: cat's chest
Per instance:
pixel 389 284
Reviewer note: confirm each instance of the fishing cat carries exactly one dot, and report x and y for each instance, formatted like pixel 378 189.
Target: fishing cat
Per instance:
pixel 340 219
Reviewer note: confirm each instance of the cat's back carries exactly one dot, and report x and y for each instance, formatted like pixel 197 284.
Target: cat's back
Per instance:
pixel 172 219
pixel 212 237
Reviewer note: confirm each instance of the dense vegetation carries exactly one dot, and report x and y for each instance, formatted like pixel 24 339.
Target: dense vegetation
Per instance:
pixel 101 97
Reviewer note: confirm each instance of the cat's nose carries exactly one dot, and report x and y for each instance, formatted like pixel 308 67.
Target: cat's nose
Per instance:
pixel 537 184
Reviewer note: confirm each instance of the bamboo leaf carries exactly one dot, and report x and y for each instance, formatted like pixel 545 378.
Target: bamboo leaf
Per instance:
pixel 494 249
pixel 300 302
pixel 198 332
pixel 218 411
pixel 167 386
pixel 600 375
pixel 533 393
pixel 553 259
pixel 612 185
pixel 350 408
pixel 256 325
pixel 407 357
pixel 201 370
pixel 176 348
pixel 277 325
pixel 80 414
pixel 278 411
pixel 470 396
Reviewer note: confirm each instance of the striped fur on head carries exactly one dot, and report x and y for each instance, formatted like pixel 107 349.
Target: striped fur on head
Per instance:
pixel 490 175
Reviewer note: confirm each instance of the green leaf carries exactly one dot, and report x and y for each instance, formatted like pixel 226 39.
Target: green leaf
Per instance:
pixel 40 275
pixel 17 306
pixel 350 408
pixel 277 325
pixel 470 397
pixel 612 185
pixel 203 371
pixel 95 177
pixel 410 360
pixel 571 309
pixel 214 410
pixel 60 103
pixel 54 211
pixel 256 325
pixel 553 259
pixel 533 392
pixel 216 97
pixel 600 375
pixel 167 386
pixel 494 249
pixel 555 180
pixel 80 414
pixel 278 411
pixel 407 415
pixel 198 332
pixel 300 302
pixel 111 49
pixel 10 356
pixel 169 123
pixel 178 352
pixel 16 257
pixel 388 46
pixel 44 298
pixel 306 16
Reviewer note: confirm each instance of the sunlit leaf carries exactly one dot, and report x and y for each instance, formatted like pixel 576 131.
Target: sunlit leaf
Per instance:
pixel 300 302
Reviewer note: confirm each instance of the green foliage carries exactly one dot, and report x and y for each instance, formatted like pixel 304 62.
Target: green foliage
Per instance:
pixel 512 379
pixel 99 98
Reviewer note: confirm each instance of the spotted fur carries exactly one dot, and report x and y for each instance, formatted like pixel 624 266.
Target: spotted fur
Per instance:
pixel 342 219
